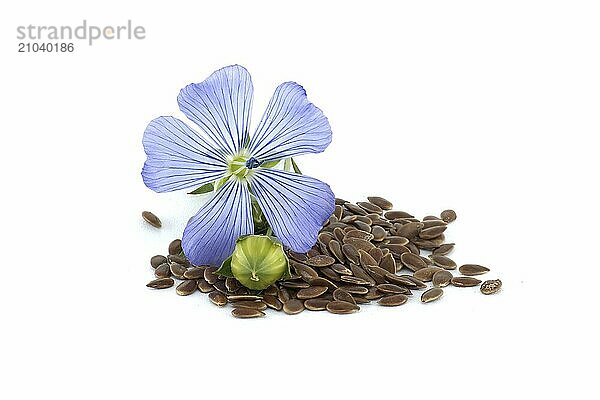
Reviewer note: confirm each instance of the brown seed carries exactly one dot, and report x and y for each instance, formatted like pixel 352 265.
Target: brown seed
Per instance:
pixel 491 286
pixel 272 302
pixel 247 313
pixel 418 284
pixel 233 285
pixel 382 223
pixel 361 300
pixel 220 286
pixel 431 295
pixel 163 271
pixel 426 274
pixel 376 271
pixel 354 280
pixel 271 290
pixel 204 286
pixel 320 261
pixel 373 294
pixel 187 287
pixel 402 280
pixel 472 269
pixel 365 258
pixel 194 273
pixel 433 232
pixel 433 222
pixel 175 247
pixel 359 244
pixel 342 295
pixel 311 292
pixel 325 238
pixel 336 250
pixel 378 233
pixel 396 249
pixel 355 289
pixel 358 234
pixel 441 278
pixel 293 306
pixel 377 254
pixel 363 226
pixel 301 257
pixel 401 240
pixel 464 281
pixel 179 259
pixel 360 272
pixel 391 288
pixel 161 283
pixel 370 207
pixel 330 274
pixel 339 234
pixel 155 261
pixel 217 298
pixel 307 273
pixel 410 230
pixel 351 253
pixel 316 304
pixel 255 304
pixel 353 208
pixel 413 248
pixel 412 261
pixel 448 215
pixel 151 219
pixel 444 249
pixel 312 253
pixel 243 297
pixel 397 214
pixel 349 218
pixel 341 307
pixel 443 261
pixel 210 276
pixel 339 210
pixel 341 269
pixel 340 202
pixel 323 282
pixel 380 202
pixel 295 284
pixel 393 300
pixel 388 263
pixel 178 270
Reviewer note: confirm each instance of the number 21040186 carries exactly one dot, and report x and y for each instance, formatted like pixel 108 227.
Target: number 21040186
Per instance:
pixel 46 47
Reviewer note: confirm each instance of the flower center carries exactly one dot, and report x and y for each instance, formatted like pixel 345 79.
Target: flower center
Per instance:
pixel 241 165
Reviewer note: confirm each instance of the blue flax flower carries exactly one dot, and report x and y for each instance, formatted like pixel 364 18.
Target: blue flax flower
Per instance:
pixel 179 157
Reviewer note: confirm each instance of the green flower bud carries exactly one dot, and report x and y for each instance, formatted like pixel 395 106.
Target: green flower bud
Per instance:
pixel 257 262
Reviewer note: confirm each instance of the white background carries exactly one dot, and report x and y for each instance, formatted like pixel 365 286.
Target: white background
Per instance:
pixel 489 108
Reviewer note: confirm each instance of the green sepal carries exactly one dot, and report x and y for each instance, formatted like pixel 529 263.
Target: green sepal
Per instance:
pixel 295 166
pixel 261 225
pixel 225 269
pixel 270 164
pixel 221 182
pixel 209 187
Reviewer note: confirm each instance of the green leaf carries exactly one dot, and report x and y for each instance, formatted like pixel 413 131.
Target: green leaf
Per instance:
pixel 270 164
pixel 225 269
pixel 221 182
pixel 203 189
pixel 295 166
